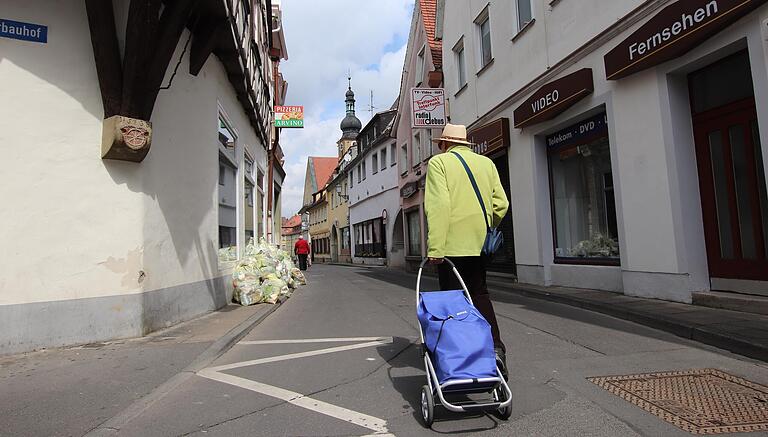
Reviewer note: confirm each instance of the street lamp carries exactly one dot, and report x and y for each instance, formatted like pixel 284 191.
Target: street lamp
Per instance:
pixel 338 193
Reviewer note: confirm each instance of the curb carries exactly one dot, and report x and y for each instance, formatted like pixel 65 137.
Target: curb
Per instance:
pixel 700 333
pixel 113 425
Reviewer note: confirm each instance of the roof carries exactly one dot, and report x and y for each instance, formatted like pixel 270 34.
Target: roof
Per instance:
pixel 428 14
pixel 292 222
pixel 324 167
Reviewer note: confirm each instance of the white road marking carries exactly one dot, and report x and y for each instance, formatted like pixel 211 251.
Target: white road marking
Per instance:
pixel 301 355
pixel 298 399
pixel 378 426
pixel 314 340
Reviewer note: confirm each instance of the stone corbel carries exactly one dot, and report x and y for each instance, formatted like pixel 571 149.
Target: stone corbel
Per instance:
pixel 125 138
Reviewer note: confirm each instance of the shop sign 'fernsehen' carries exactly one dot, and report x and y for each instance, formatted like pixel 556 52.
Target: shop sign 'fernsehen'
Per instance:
pixel 23 31
pixel 676 29
pixel 427 107
pixel 289 116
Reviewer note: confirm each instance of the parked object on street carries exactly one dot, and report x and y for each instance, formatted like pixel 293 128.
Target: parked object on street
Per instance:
pixel 264 274
pixel 458 354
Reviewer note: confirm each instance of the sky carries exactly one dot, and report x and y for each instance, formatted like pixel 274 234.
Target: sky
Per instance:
pixel 326 39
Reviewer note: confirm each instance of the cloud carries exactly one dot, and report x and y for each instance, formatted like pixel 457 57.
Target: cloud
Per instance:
pixel 325 40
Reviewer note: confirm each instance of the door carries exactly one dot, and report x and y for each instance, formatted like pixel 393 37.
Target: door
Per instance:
pixel 504 261
pixel 733 191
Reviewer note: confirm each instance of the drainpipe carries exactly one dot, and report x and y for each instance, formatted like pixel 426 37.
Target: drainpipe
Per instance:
pixel 271 158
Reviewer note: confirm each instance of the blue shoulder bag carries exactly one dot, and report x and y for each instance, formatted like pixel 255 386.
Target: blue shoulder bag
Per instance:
pixel 494 239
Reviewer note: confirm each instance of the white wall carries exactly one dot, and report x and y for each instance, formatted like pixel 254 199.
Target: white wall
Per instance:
pixel 77 226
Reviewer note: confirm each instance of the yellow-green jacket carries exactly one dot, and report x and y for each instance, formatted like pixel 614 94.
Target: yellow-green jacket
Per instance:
pixel 454 218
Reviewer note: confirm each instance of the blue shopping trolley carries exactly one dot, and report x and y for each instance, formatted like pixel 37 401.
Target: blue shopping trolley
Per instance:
pixel 458 354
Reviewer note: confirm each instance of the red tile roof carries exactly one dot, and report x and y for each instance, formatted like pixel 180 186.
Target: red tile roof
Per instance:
pixel 324 168
pixel 428 14
pixel 292 222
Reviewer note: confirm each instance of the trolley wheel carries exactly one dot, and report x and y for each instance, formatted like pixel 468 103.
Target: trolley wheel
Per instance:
pixel 502 413
pixel 427 406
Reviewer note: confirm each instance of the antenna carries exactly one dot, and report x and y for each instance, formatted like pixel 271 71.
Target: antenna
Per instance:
pixel 371 108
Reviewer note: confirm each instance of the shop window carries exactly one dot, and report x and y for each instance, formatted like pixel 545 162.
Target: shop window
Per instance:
pixel 249 201
pixel 370 239
pixel 583 204
pixel 228 197
pixel 414 233
pixel 259 204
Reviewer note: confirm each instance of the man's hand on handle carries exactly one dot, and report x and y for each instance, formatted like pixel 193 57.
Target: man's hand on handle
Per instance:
pixel 435 260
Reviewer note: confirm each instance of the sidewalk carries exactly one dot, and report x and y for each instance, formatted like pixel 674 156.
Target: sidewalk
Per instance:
pixel 742 333
pixel 74 390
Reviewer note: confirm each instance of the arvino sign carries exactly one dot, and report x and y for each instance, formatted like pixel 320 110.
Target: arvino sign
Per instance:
pixel 672 32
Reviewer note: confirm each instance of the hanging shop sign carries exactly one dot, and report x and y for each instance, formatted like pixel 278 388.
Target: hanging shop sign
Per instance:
pixel 490 138
pixel 23 31
pixel 554 98
pixel 409 190
pixel 580 133
pixel 427 107
pixel 289 116
pixel 672 32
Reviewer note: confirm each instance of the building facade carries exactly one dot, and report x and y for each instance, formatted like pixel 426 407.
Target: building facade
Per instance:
pixel 423 68
pixel 151 170
pixel 315 206
pixel 291 230
pixel 374 196
pixel 636 137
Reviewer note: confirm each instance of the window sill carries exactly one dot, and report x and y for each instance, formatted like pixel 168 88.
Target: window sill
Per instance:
pixel 523 30
pixel 485 67
pixel 461 90
pixel 606 262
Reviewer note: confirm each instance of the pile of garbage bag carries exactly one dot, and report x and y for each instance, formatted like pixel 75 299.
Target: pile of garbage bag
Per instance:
pixel 264 274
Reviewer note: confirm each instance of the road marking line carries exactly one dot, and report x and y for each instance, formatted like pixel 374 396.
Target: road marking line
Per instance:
pixel 388 340
pixel 374 424
pixel 314 340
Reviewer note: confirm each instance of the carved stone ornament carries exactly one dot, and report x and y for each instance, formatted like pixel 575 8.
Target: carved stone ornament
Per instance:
pixel 125 139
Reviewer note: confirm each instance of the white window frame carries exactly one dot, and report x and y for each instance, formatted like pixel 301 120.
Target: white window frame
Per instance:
pixel 417 149
pixel 520 24
pixel 383 158
pixel 482 18
pixel 375 162
pixel 460 60
pixel 393 152
pixel 233 163
pixel 420 65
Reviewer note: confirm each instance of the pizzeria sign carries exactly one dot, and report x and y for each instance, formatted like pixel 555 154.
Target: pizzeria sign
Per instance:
pixel 289 116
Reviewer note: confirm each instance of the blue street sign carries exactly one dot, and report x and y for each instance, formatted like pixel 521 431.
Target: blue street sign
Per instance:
pixel 23 31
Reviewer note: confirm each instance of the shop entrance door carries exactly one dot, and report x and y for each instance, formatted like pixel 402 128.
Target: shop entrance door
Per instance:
pixel 504 261
pixel 733 192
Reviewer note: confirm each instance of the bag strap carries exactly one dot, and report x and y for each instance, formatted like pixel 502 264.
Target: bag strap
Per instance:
pixel 474 185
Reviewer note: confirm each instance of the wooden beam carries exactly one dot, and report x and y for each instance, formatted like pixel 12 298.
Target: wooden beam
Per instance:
pixel 171 26
pixel 139 45
pixel 106 53
pixel 203 43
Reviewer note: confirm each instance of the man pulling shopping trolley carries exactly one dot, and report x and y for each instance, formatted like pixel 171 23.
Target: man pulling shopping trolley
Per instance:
pixel 463 351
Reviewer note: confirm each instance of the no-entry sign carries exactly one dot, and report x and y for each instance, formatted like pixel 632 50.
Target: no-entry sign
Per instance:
pixel 427 107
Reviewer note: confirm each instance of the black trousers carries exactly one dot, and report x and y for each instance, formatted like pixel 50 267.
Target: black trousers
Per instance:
pixel 302 261
pixel 472 270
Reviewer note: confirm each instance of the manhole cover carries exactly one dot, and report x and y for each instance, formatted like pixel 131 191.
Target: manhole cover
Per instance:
pixel 705 401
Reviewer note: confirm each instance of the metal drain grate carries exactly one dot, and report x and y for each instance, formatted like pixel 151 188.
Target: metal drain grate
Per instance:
pixel 705 401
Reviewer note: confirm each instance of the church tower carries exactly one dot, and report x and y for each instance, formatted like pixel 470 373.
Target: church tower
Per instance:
pixel 351 125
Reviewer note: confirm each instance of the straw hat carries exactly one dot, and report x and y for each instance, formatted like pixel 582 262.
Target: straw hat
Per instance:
pixel 454 133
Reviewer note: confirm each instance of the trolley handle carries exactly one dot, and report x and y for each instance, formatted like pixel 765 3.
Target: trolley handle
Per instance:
pixel 455 272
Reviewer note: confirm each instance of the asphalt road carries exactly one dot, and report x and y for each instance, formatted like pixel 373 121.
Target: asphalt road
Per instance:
pixel 340 358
